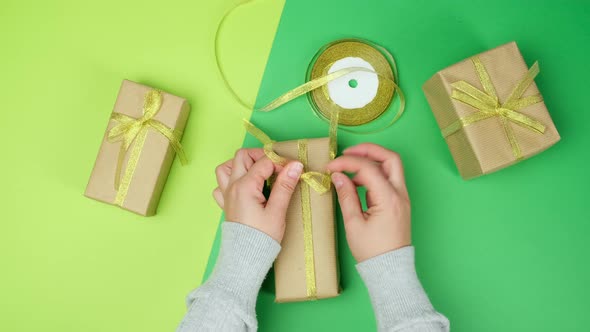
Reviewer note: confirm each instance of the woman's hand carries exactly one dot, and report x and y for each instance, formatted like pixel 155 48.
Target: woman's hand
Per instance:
pixel 385 225
pixel 239 193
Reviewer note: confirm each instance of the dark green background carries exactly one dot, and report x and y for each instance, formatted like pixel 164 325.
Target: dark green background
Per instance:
pixel 504 252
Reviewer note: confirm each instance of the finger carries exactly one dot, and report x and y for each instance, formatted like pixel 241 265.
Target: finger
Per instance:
pixel 390 161
pixel 243 160
pixel 260 171
pixel 348 198
pixel 223 173
pixel 254 153
pixel 283 189
pixel 368 174
pixel 218 196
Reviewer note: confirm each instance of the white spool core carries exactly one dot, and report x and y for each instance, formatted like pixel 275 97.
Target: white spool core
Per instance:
pixel 341 91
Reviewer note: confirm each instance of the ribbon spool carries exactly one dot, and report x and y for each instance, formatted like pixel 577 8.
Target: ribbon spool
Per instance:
pixel 360 97
pixel 367 65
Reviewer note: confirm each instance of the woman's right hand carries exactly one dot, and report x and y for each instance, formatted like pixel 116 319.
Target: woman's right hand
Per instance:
pixel 385 225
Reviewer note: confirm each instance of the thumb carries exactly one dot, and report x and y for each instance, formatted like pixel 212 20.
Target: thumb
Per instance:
pixel 348 199
pixel 283 188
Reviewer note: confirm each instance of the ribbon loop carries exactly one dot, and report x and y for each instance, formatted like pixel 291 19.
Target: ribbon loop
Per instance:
pixel 488 105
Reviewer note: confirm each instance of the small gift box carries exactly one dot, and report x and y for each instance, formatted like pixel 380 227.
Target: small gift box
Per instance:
pixel 307 266
pixel 490 111
pixel 138 148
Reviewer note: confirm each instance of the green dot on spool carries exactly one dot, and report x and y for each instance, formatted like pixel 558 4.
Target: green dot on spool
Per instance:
pixel 320 65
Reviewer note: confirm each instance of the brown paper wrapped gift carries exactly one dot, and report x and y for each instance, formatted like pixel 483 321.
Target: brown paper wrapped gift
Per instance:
pixel 307 270
pixel 150 122
pixel 490 111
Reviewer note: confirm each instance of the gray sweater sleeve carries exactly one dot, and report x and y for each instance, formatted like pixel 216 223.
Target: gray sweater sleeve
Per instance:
pixel 227 300
pixel 398 298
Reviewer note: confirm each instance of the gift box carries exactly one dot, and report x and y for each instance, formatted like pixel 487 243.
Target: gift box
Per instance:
pixel 307 266
pixel 138 148
pixel 490 111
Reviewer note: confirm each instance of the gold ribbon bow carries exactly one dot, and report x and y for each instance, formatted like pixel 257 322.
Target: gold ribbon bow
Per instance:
pixel 129 130
pixel 488 104
pixel 320 182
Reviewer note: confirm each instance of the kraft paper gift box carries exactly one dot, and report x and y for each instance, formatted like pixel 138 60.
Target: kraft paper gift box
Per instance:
pixel 490 111
pixel 138 148
pixel 307 266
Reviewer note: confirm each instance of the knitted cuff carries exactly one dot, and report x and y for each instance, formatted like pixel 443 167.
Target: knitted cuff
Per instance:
pixel 245 256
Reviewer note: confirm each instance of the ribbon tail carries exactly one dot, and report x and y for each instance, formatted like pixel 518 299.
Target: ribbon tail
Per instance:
pixel 474 93
pixel 333 133
pixel 478 104
pixel 256 132
pixel 524 83
pixel 130 169
pixel 266 141
pixel 484 77
pixel 465 121
pixel 525 121
pixel 173 137
pixel 523 102
pixel 120 159
pixel 511 138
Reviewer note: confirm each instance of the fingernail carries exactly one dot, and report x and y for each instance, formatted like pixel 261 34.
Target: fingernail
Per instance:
pixel 295 170
pixel 337 181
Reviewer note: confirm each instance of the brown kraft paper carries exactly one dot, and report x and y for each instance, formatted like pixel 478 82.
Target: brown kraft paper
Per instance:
pixel 483 147
pixel 289 268
pixel 155 159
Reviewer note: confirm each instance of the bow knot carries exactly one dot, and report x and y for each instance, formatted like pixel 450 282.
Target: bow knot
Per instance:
pixel 488 104
pixel 320 182
pixel 129 130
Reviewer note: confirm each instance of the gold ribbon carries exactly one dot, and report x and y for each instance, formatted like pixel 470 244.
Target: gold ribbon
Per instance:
pixel 312 84
pixel 381 62
pixel 320 182
pixel 489 106
pixel 129 130
pixel 310 280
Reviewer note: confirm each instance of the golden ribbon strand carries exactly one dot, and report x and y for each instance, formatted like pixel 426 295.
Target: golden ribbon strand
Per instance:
pixel 308 86
pixel 130 130
pixel 466 121
pixel 487 104
pixel 130 169
pixel 307 225
pixel 333 134
pixel 522 85
pixel 320 182
pixel 266 141
pixel 511 138
pixel 484 78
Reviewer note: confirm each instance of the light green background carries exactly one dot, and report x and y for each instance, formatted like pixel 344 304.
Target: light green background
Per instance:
pixel 504 252
pixel 68 263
